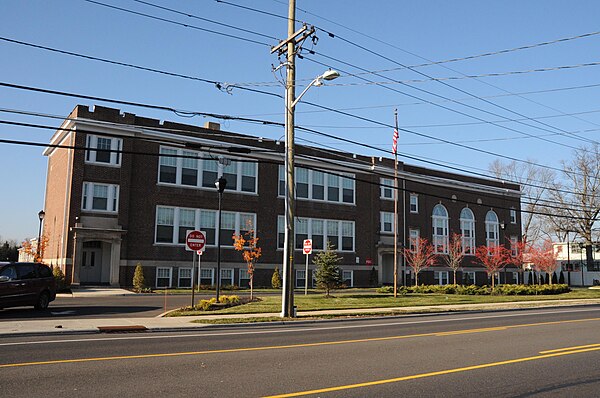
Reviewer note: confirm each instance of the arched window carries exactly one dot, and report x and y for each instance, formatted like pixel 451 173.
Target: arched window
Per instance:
pixel 467 230
pixel 491 229
pixel 440 229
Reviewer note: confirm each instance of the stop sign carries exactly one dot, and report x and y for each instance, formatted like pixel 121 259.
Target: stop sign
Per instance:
pixel 307 246
pixel 195 240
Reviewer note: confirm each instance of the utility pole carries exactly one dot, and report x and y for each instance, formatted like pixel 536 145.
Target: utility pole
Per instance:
pixel 396 188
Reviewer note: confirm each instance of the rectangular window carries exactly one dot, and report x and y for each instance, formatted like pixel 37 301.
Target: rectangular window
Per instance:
pixel 165 221
pixel 318 185
pixel 189 168
pixel 333 188
pixel 164 276
pixel 207 276
pixel 226 277
pixel 333 233
pixel 513 216
pixel 167 170
pixel 227 228
pixel 301 230
pixel 387 222
pixel 208 225
pixel 347 190
pixel 280 232
pixel 185 277
pixel 440 277
pixel 413 238
pixel 414 203
pixel 387 188
pixel 347 235
pixel 230 174
pixel 187 221
pixel 348 278
pixel 317 234
pixel 100 197
pixel 103 150
pixel 210 169
pixel 249 177
pixel 301 183
pixel 244 278
pixel 468 277
pixel 281 180
pixel 300 278
pixel 513 246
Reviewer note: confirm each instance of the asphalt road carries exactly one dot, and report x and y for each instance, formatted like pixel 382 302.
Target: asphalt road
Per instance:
pixel 532 353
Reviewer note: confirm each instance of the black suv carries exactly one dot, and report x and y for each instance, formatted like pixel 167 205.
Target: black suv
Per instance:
pixel 26 284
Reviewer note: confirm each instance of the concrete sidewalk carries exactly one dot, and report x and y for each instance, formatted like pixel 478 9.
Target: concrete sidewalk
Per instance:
pixel 96 291
pixel 165 324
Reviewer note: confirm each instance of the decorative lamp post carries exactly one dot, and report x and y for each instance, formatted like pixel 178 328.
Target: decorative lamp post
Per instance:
pixel 41 216
pixel 221 184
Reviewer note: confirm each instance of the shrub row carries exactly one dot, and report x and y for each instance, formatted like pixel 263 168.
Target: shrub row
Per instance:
pixel 501 290
pixel 225 301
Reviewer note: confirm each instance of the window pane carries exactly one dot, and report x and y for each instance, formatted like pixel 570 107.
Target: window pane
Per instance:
pixel 208 224
pixel 209 173
pixel 103 154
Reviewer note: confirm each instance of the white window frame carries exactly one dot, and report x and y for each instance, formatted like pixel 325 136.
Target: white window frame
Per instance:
pixel 514 249
pixel 197 225
pixel 492 227
pixel 232 276
pixel 338 240
pixel 414 235
pixel 297 278
pixel 243 274
pixel 351 277
pixel 170 269
pixel 179 277
pixel 112 200
pixel 470 273
pixel 513 216
pixel 386 185
pixel 440 241
pixel 116 145
pixel 212 275
pixel 467 224
pixel 342 177
pixel 202 157
pixel 440 276
pixel 416 203
pixel 383 218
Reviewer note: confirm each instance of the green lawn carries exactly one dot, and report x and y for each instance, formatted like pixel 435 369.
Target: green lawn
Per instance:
pixel 368 299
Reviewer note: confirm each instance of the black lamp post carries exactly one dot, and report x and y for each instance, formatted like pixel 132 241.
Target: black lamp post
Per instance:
pixel 41 215
pixel 221 184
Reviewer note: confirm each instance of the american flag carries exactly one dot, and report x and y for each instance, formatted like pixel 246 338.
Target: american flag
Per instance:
pixel 395 142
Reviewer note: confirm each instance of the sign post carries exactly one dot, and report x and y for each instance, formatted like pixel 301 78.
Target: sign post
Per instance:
pixel 194 241
pixel 199 252
pixel 307 248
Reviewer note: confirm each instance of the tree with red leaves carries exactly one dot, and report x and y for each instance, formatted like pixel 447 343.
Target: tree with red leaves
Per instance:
pixel 493 258
pixel 544 258
pixel 420 255
pixel 247 243
pixel 455 253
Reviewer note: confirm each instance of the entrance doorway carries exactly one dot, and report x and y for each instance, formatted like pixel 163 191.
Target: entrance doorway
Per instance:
pixel 91 263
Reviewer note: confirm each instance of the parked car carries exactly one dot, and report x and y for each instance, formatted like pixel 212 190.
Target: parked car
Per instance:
pixel 23 284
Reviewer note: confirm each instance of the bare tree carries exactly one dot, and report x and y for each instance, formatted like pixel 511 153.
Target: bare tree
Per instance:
pixel 455 254
pixel 535 183
pixel 578 196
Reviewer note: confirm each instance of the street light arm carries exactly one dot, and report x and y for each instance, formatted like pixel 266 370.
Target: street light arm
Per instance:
pixel 304 91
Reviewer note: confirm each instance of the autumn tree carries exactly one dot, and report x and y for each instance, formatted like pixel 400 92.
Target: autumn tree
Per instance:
pixel 493 258
pixel 247 243
pixel 276 279
pixel 455 253
pixel 520 255
pixel 419 256
pixel 327 274
pixel 36 251
pixel 544 258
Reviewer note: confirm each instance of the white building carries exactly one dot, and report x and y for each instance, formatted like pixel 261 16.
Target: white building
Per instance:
pixel 572 261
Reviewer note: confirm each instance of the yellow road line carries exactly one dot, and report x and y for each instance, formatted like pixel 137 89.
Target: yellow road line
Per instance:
pixel 290 346
pixel 431 374
pixel 570 348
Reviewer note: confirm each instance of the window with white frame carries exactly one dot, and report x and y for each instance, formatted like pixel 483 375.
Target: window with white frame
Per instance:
pixel 227 277
pixel 515 276
pixel 413 239
pixel 414 203
pixel 468 277
pixel 207 276
pixel 467 231
pixel 340 234
pixel 100 197
pixel 387 188
pixel 320 186
pixel 164 276
pixel 491 229
pixel 440 229
pixel 172 223
pixel 387 222
pixel 513 216
pixel 348 278
pixel 103 150
pixel 194 169
pixel 185 277
pixel 300 278
pixel 514 248
pixel 244 278
pixel 440 277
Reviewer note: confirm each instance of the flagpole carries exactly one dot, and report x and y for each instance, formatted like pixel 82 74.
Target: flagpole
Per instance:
pixel 395 148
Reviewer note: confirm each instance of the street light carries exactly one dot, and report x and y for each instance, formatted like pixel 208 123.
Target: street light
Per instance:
pixel 287 299
pixel 41 216
pixel 221 184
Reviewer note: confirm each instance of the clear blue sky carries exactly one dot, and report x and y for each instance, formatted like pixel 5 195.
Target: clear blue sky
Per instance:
pixel 435 30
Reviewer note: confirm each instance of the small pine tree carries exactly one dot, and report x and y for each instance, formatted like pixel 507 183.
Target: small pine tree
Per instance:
pixel 139 282
pixel 561 278
pixel 276 279
pixel 59 277
pixel 328 273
